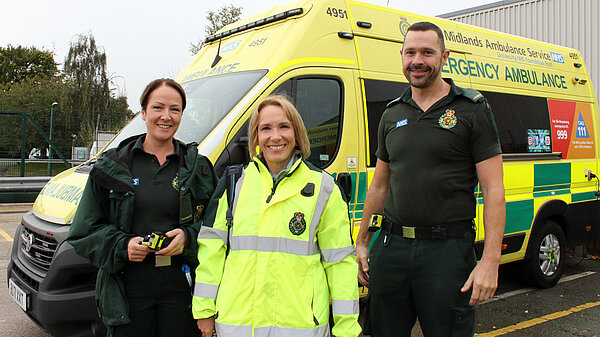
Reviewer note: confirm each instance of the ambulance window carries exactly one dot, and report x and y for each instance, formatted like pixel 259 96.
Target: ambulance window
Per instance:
pixel 319 101
pixel 516 117
pixel 378 95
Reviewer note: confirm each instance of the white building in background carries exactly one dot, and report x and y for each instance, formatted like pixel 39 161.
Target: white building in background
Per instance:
pixel 570 23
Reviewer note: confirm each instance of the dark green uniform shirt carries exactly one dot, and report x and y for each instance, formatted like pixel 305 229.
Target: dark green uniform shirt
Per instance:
pixel 156 193
pixel 432 156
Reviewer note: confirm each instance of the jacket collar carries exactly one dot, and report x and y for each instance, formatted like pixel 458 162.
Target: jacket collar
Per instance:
pixel 113 170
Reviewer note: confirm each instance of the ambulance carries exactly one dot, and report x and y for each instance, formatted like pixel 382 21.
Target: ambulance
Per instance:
pixel 339 61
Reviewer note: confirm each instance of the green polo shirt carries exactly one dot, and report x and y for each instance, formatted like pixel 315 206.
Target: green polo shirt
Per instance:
pixel 156 201
pixel 432 156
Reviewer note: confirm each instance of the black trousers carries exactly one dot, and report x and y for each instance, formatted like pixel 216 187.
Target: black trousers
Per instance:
pixel 159 302
pixel 413 278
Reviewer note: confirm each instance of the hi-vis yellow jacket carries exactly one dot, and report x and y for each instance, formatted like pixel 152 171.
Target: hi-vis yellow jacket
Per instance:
pixel 290 251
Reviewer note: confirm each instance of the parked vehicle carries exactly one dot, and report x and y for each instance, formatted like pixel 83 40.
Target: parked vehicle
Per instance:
pixel 339 61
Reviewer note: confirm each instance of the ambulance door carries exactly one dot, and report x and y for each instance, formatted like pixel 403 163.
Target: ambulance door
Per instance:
pixel 326 99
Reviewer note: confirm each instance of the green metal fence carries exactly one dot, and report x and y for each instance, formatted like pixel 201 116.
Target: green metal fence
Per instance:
pixel 9 166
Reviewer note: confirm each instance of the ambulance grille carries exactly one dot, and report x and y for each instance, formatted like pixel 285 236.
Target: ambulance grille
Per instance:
pixel 38 249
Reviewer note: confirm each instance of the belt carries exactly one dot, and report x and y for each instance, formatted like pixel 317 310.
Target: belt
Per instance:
pixel 452 230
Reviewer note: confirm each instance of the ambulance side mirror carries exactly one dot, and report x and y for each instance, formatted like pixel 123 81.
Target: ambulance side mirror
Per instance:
pixel 345 182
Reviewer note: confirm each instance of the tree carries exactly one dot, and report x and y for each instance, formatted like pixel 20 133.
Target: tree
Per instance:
pixel 85 72
pixel 20 63
pixel 217 20
pixel 88 94
pixel 83 94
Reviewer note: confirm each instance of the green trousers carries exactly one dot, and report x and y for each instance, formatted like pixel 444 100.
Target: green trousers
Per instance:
pixel 159 301
pixel 412 278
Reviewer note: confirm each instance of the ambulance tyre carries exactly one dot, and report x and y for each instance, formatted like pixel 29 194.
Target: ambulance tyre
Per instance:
pixel 546 261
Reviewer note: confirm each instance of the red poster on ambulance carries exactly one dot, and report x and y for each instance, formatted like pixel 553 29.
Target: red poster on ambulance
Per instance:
pixel 572 129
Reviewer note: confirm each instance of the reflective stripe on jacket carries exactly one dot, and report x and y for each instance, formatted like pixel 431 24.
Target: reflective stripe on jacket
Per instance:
pixel 290 252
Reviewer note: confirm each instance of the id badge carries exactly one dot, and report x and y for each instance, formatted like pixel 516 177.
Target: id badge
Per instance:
pixel 162 260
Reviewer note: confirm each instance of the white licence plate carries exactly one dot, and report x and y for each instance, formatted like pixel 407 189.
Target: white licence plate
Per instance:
pixel 17 294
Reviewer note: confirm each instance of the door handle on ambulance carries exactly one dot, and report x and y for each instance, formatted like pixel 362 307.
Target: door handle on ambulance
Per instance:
pixel 589 175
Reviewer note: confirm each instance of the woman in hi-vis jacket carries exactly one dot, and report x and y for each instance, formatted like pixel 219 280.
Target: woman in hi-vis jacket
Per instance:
pixel 288 250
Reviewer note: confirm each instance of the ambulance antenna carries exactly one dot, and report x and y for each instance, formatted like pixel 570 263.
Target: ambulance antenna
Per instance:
pixel 217 57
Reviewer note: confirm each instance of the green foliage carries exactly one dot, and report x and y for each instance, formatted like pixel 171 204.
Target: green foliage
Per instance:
pixel 34 96
pixel 88 91
pixel 217 20
pixel 82 93
pixel 18 64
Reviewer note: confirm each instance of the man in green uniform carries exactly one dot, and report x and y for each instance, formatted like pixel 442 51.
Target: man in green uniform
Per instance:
pixel 435 143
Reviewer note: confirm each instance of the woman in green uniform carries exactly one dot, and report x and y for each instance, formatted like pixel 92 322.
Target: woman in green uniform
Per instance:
pixel 151 183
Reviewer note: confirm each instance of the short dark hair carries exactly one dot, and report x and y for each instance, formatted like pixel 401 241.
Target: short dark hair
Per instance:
pixel 425 26
pixel 159 83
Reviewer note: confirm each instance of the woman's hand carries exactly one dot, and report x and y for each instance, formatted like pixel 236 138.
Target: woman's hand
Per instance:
pixel 207 326
pixel 176 246
pixel 135 251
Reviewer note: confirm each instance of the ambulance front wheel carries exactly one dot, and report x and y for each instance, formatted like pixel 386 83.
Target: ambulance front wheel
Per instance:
pixel 545 264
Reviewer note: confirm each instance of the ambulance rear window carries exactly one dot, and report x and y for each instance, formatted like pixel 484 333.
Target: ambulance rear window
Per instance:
pixel 520 119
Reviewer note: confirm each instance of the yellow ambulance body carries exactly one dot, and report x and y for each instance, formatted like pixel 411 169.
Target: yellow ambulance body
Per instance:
pixel 340 62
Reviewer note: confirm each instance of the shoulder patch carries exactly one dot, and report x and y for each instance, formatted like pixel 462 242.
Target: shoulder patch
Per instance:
pixel 473 95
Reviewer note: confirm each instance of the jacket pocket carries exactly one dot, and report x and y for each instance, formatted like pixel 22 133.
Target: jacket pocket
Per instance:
pixel 121 205
pixel 320 298
pixel 111 301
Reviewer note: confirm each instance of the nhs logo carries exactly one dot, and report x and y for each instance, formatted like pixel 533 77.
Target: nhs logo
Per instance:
pixel 557 58
pixel 230 46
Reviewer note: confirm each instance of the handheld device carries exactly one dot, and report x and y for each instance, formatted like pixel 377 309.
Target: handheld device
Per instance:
pixel 156 241
pixel 375 222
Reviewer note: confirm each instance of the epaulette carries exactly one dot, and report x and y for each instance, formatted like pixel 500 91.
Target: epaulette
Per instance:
pixel 473 95
pixel 394 102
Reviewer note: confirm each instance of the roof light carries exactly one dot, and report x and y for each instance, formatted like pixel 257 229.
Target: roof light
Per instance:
pixel 258 23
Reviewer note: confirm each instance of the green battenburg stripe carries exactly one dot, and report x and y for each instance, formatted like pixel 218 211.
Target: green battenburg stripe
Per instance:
pixel 359 207
pixel 351 207
pixel 362 188
pixel 586 196
pixel 478 194
pixel 549 193
pixel 358 215
pixel 519 216
pixel 549 177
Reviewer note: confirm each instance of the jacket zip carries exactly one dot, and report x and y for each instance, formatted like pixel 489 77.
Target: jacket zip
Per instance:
pixel 275 184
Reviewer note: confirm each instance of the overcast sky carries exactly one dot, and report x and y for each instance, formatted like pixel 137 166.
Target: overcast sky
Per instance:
pixel 144 39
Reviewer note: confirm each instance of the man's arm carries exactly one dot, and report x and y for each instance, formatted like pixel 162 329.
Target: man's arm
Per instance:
pixel 373 204
pixel 484 278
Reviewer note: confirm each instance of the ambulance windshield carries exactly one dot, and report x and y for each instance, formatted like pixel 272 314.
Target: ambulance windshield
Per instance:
pixel 209 99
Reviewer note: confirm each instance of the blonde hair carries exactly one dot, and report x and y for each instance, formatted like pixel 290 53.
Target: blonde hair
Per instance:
pixel 302 143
